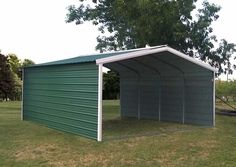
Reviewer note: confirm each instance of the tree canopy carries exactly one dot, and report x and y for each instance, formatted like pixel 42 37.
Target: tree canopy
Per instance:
pixel 136 23
pixel 7 82
pixel 27 62
pixel 10 76
pixel 226 89
pixel 15 64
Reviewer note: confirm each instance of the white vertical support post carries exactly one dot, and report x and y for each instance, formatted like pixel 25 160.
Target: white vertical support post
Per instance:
pixel 99 126
pixel 22 95
pixel 213 110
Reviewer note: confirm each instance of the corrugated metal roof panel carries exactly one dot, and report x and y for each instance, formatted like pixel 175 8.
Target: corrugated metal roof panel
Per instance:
pixel 93 57
pixel 125 54
pixel 82 59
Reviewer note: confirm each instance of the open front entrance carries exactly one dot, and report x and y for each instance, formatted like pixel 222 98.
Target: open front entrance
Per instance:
pixel 115 127
pixel 161 87
pixel 164 87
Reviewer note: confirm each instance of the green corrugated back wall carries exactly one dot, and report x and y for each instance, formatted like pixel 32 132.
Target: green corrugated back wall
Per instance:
pixel 64 97
pixel 147 87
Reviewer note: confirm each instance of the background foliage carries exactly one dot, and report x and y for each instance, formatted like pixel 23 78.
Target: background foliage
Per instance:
pixel 136 23
pixel 226 90
pixel 11 75
pixel 111 85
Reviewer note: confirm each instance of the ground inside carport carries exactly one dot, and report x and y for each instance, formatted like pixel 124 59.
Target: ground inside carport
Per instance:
pixel 116 128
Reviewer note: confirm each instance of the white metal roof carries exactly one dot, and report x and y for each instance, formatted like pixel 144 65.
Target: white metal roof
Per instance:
pixel 153 50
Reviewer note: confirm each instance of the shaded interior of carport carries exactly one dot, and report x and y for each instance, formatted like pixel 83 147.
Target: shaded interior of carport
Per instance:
pixel 165 87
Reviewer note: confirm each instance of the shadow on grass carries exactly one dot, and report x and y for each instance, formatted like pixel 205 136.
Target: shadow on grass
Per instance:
pixel 227 112
pixel 117 129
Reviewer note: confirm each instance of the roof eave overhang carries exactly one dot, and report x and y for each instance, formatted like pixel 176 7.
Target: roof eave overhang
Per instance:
pixel 140 53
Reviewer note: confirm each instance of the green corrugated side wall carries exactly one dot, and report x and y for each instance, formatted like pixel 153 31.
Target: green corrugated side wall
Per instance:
pixel 64 97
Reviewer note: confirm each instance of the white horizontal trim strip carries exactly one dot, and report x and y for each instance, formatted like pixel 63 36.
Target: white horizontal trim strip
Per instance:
pixel 153 50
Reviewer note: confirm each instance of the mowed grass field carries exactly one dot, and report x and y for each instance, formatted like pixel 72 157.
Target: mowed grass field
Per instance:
pixel 127 143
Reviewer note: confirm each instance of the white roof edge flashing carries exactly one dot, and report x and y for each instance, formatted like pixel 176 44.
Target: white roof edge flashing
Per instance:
pixel 130 55
pixel 152 50
pixel 191 59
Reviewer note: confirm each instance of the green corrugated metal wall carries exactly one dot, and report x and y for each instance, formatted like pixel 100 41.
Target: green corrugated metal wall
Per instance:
pixel 63 97
pixel 199 95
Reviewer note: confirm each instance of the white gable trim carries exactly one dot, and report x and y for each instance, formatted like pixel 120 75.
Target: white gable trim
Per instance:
pixel 191 59
pixel 148 51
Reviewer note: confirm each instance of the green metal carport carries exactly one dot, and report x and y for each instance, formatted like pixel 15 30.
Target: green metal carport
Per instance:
pixel 155 83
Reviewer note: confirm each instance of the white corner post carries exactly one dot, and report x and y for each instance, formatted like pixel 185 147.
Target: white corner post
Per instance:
pixel 22 96
pixel 214 103
pixel 99 126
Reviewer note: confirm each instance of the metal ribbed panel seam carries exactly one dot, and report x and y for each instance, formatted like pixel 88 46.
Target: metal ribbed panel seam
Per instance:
pixel 63 97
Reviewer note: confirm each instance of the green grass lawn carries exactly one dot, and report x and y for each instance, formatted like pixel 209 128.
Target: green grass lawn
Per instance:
pixel 152 143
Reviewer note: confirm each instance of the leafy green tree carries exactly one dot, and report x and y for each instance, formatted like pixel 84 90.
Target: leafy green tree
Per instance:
pixel 15 63
pixel 233 91
pixel 10 76
pixel 135 23
pixel 27 62
pixel 111 88
pixel 17 66
pixel 226 89
pixel 7 82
